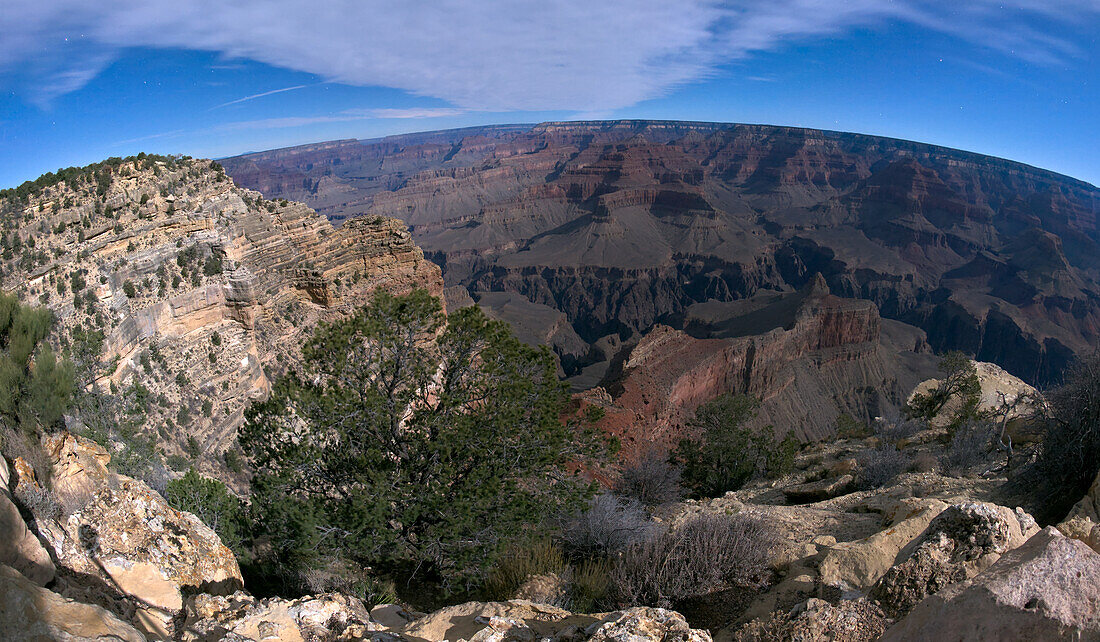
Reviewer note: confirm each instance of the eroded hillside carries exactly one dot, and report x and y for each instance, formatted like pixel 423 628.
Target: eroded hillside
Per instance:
pixel 181 293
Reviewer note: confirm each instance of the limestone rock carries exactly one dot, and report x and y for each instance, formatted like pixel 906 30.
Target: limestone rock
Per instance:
pixel 392 616
pixel 998 387
pixel 1089 505
pixel 29 613
pixel 1047 589
pixel 847 621
pixel 1082 528
pixel 959 543
pixel 19 547
pixel 819 490
pixel 241 617
pixel 79 468
pixel 518 619
pixel 643 623
pixel 859 564
pixel 123 534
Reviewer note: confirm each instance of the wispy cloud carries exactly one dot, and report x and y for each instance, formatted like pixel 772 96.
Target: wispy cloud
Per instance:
pixel 260 95
pixel 500 55
pixel 286 122
pixel 417 112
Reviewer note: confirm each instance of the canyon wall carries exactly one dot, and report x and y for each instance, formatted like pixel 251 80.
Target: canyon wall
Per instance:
pixel 622 225
pixel 186 293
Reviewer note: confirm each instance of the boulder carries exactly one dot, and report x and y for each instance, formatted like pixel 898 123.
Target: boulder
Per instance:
pixel 117 531
pixel 858 565
pixel 819 490
pixel 643 624
pixel 29 612
pixel 959 543
pixel 79 468
pixel 392 616
pixel 241 617
pixel 1084 529
pixel 1046 589
pixel 19 547
pixel 1089 505
pixel 515 619
pixel 847 621
pixel 998 388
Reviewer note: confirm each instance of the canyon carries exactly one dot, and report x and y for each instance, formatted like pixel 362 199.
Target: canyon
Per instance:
pixel 624 225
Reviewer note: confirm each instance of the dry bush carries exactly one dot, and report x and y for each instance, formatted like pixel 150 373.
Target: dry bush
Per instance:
pixel 969 446
pixel 651 480
pixel 924 462
pixel 894 430
pixel 879 466
pixel 705 554
pixel 607 527
pixel 1069 456
pixel 39 501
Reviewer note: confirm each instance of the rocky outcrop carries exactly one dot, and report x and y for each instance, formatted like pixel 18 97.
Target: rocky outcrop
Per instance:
pixel 30 613
pixel 958 544
pixel 847 621
pixel 523 620
pixel 808 356
pixel 857 565
pixel 644 623
pixel 198 287
pixel 323 618
pixel 19 546
pixel 1047 589
pixel 1006 398
pixel 819 490
pixel 117 542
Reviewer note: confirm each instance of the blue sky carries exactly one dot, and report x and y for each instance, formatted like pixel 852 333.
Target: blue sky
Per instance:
pixel 81 81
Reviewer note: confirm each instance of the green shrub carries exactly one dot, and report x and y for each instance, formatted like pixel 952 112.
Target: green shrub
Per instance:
pixel 590 582
pixel 129 290
pixel 960 379
pixel 212 266
pixel 210 501
pixel 848 427
pixel 35 387
pixel 728 453
pixel 357 444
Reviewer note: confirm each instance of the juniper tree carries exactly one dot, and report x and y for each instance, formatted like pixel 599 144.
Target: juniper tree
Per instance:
pixel 410 440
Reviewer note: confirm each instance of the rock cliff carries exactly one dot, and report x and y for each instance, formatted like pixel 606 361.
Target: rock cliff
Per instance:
pixel 183 291
pixel 808 356
pixel 623 224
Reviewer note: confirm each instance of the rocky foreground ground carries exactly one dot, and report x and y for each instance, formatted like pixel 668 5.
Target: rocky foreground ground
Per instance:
pixel 924 557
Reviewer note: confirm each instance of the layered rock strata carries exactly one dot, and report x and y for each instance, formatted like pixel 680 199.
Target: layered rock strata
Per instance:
pixel 623 224
pixel 188 290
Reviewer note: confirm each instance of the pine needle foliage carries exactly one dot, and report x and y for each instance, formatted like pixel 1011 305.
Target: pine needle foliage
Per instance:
pixel 412 440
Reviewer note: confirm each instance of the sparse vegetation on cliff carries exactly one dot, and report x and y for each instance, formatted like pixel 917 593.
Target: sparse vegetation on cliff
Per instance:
pixel 727 452
pixel 36 387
